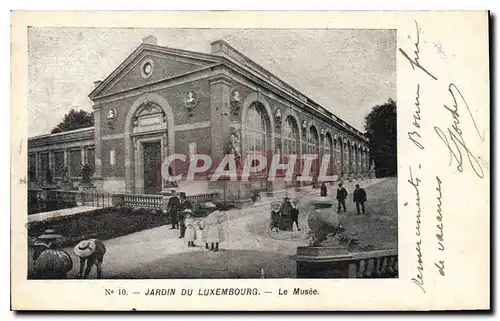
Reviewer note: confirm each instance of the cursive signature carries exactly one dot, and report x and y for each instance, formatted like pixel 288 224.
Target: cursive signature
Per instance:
pixel 415 135
pixel 415 62
pixel 419 279
pixel 455 135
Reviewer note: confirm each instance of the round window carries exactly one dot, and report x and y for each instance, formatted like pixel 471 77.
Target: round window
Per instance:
pixel 147 68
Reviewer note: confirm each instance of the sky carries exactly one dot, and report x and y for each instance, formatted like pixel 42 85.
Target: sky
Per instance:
pixel 345 71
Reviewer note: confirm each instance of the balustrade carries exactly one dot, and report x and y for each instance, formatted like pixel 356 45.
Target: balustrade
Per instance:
pixel 317 263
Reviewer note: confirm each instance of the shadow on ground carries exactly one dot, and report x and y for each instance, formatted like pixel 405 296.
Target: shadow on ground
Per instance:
pixel 225 264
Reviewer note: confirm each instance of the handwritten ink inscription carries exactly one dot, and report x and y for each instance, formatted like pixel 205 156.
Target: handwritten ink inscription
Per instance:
pixel 452 137
pixel 419 278
pixel 414 136
pixel 440 227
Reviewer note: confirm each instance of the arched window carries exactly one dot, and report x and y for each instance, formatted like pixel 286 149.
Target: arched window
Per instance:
pixel 256 130
pixel 290 137
pixel 313 141
pixel 338 155
pixel 328 151
pixel 346 157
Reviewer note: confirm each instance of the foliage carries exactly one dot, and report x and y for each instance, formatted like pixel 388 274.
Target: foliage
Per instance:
pixel 381 130
pixel 75 119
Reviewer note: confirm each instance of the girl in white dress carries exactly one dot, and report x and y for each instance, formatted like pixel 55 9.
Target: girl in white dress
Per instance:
pixel 191 226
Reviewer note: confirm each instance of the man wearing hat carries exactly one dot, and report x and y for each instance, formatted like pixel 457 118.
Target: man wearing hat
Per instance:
pixel 173 208
pixel 184 204
pixel 90 252
pixel 359 197
pixel 341 196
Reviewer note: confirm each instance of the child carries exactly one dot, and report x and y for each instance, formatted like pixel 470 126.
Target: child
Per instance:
pixel 191 224
pixel 91 252
pixel 275 217
pixel 213 225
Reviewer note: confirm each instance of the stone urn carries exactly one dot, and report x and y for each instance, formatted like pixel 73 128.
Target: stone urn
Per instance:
pixel 322 219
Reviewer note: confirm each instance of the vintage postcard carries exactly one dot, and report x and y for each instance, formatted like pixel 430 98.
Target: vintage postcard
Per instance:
pixel 250 161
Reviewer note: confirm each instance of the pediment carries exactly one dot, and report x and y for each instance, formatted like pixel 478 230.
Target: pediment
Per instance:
pixel 150 64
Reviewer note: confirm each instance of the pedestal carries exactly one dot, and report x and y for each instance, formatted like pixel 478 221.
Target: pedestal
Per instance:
pixel 322 262
pixel 286 223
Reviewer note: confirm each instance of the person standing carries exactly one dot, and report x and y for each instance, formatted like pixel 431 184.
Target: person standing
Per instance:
pixel 341 196
pixel 191 224
pixel 295 214
pixel 173 207
pixel 324 190
pixel 184 204
pixel 213 226
pixel 359 197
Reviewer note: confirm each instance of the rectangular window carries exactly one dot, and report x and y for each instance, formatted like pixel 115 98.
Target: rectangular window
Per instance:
pixel 91 158
pixel 32 167
pixel 44 163
pixel 58 163
pixel 75 163
pixel 112 157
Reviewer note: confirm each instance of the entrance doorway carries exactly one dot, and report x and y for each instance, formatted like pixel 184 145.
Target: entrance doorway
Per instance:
pixel 152 167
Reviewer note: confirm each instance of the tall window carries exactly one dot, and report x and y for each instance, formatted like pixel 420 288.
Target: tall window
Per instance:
pixel 328 151
pixel 313 141
pixel 32 167
pixel 351 156
pixel 346 157
pixel 290 137
pixel 91 158
pixel 44 165
pixel 75 163
pixel 338 155
pixel 255 130
pixel 58 163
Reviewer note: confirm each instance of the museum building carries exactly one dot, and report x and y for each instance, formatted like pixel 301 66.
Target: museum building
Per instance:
pixel 160 101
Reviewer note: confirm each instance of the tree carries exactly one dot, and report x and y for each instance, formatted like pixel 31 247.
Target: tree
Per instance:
pixel 75 120
pixel 381 130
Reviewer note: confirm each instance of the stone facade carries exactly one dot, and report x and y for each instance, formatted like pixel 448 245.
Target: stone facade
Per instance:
pixel 161 101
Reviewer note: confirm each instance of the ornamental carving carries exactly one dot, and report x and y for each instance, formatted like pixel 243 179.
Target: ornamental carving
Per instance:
pixel 277 117
pixel 235 102
pixel 235 143
pixel 111 117
pixel 191 100
pixel 304 124
pixel 146 109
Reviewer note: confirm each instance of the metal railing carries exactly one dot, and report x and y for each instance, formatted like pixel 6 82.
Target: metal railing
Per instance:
pixel 43 200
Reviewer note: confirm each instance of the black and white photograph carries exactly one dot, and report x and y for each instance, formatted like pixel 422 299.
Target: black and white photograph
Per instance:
pixel 250 160
pixel 212 153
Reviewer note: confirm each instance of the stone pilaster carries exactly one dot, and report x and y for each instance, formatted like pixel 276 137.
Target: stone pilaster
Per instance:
pixel 220 91
pixel 97 141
